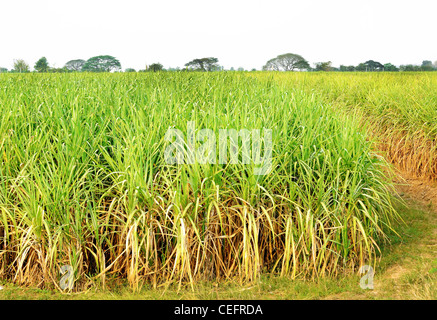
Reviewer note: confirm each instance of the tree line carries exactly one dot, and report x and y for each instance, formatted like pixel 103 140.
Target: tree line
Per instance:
pixel 292 62
pixel 283 62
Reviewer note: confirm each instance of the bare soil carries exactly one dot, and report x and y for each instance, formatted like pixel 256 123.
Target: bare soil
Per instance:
pixel 420 190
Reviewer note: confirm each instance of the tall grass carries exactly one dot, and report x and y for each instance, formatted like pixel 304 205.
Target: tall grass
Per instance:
pixel 397 109
pixel 83 182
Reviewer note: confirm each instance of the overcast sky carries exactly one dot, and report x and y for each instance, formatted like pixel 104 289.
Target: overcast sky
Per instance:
pixel 239 33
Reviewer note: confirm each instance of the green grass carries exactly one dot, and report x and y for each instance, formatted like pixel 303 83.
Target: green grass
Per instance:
pixel 397 109
pixel 84 182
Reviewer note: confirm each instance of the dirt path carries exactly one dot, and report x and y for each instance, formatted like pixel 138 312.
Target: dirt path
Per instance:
pixel 415 275
pixel 419 190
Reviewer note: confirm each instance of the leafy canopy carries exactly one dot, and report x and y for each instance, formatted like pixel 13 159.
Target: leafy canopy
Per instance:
pixel 155 67
pixel 20 66
pixel 102 64
pixel 75 65
pixel 42 65
pixel 203 64
pixel 287 62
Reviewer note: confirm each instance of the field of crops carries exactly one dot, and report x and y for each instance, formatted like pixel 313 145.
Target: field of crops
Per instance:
pixel 399 109
pixel 84 181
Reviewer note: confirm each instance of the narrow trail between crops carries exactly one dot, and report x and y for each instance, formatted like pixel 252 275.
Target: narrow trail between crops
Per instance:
pixel 420 190
pixel 411 272
pixel 408 277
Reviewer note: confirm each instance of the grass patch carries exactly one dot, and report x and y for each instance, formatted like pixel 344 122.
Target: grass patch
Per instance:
pixel 84 181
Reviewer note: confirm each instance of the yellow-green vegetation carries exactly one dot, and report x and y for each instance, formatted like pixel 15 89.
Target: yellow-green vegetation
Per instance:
pixel 407 270
pixel 84 182
pixel 398 109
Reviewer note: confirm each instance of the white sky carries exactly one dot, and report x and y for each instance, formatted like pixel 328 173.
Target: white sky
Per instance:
pixel 239 33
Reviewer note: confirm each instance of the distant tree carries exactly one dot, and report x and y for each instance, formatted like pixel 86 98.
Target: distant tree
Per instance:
pixel 271 65
pixel 344 68
pixel 427 65
pixel 75 65
pixel 102 64
pixel 287 62
pixel 361 67
pixel 203 64
pixel 155 67
pixel 42 65
pixel 240 69
pixel 3 70
pixel 435 64
pixel 232 69
pixel 373 66
pixel 390 67
pixel 409 67
pixel 130 70
pixel 323 66
pixel 20 66
pixel 59 70
pixel 253 69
